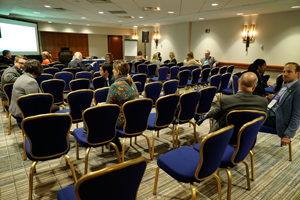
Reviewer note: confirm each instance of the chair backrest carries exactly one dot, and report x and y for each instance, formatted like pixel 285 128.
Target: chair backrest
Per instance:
pixel 3 67
pixel 72 70
pixel 136 114
pixel 45 66
pixel 55 87
pixel 184 68
pixel 147 62
pixel 96 74
pixel 166 61
pixel 78 101
pixel 223 70
pixel 135 65
pixel 60 66
pixel 205 67
pixel 174 72
pixel 100 95
pixel 206 99
pixel 153 90
pixel 211 151
pixel 51 64
pixel 7 88
pixel 126 177
pixel 240 117
pixel 224 81
pixel 188 105
pixel 205 75
pixel 98 82
pixel 35 104
pixel 170 87
pixel 67 77
pixel 56 62
pixel 235 84
pixel 171 65
pixel 151 70
pixel 192 67
pixel 266 77
pixel 43 77
pixel 142 79
pixel 195 76
pixel 94 118
pixel 142 68
pixel 2 71
pixel 215 80
pixel 79 84
pixel 164 65
pixel 51 70
pixel 48 135
pixel 94 57
pixel 183 78
pixel 180 64
pixel 230 69
pixel 214 71
pixel 87 75
pixel 238 74
pixel 165 108
pixel 130 66
pixel 279 82
pixel 138 85
pixel 162 73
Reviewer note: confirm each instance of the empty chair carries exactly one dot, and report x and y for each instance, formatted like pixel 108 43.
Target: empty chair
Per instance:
pixel 230 69
pixel 60 66
pixel 147 62
pixel 72 70
pixel 55 87
pixel 162 75
pixel 184 68
pixel 79 84
pixel 183 77
pixel 166 61
pixel 86 75
pixel 100 95
pixel 214 71
pixel 266 77
pixel 238 74
pixel 130 66
pixel 223 70
pixel 206 99
pixel 205 67
pixel 195 77
pixel 141 69
pixel 229 91
pixel 51 70
pixel 142 79
pixel 135 64
pixel 51 64
pixel 170 87
pixel 192 68
pixel 151 70
pixel 96 74
pixel 43 77
pixel 173 73
pixel 215 80
pixel 171 65
pixel 98 82
pixel 204 76
pixel 180 64
pixel 224 82
pixel 277 87
pixel 67 77
pixel 45 66
pixel 153 90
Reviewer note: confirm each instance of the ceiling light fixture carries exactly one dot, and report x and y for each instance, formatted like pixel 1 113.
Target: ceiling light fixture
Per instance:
pixel 239 13
pixel 201 18
pixel 170 12
pixel 101 12
pixel 214 4
pixel 69 23
pixel 141 17
pixel 119 21
pixel 88 25
pixel 36 12
pixel 47 6
pixel 295 7
pixel 49 22
pixel 83 17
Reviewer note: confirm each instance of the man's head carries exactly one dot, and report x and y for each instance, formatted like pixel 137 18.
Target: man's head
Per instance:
pixel 78 55
pixel 20 61
pixel 207 54
pixel 33 67
pixel 6 53
pixel 247 82
pixel 291 72
pixel 105 70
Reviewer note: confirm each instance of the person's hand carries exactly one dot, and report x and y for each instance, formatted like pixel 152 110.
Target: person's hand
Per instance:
pixel 102 103
pixel 269 84
pixel 93 63
pixel 269 96
pixel 285 140
pixel 214 65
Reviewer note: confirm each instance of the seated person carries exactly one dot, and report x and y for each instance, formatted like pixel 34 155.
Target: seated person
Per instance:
pixel 109 58
pixel 209 60
pixel 77 62
pixel 284 108
pixel 140 56
pixel 7 58
pixel 156 62
pixel 47 58
pixel 106 72
pixel 190 61
pixel 159 57
pixel 25 84
pixel 11 74
pixel 172 58
pixel 242 100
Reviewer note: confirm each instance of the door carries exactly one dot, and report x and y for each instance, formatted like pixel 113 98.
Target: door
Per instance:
pixel 115 47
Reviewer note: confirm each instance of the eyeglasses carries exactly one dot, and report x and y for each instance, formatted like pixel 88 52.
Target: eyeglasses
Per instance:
pixel 21 63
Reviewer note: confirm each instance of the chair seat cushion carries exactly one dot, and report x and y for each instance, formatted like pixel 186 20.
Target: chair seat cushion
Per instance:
pixel 269 89
pixel 154 79
pixel 180 163
pixel 151 121
pixel 91 86
pixel 63 111
pixel 267 129
pixel 226 159
pixel 6 108
pixel 19 124
pixel 80 137
pixel 67 193
pixel 120 133
pixel 227 91
pixel 189 83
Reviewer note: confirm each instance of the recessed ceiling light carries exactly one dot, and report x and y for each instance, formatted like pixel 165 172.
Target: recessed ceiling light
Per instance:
pixel 145 24
pixel 170 12
pixel 69 23
pixel 49 22
pixel 101 12
pixel 47 6
pixel 88 25
pixel 135 26
pixel 36 12
pixel 119 21
pixel 214 4
pixel 141 17
pixel 156 23
pixel 201 18
pixel 239 13
pixel 295 7
pixel 83 17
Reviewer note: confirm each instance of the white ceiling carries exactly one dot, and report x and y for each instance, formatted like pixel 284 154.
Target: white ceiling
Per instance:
pixel 184 10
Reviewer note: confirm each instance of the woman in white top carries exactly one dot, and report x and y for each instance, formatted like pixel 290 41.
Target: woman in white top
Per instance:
pixel 156 62
pixel 190 61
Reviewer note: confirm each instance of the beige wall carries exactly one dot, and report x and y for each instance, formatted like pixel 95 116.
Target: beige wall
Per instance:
pixel 98 45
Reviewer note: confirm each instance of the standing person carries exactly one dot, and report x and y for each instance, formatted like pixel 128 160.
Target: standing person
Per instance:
pixel 159 57
pixel 106 71
pixel 7 58
pixel 140 56
pixel 209 60
pixel 190 61
pixel 47 58
pixel 77 62
pixel 172 58
pixel 156 62
pixel 109 58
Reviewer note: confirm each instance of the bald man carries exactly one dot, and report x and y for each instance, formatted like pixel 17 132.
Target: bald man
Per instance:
pixel 242 100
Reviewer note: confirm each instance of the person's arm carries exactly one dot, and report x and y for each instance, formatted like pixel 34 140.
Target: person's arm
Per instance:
pixel 144 58
pixel 216 113
pixel 215 62
pixel 10 77
pixel 197 63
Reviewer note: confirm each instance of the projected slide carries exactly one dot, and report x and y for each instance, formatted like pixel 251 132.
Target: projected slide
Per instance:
pixel 19 37
pixel 130 47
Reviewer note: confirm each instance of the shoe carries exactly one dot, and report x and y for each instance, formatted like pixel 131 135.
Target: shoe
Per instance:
pixel 200 121
pixel 196 117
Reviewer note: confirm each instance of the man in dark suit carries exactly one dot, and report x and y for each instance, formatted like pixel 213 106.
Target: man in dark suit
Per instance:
pixel 284 107
pixel 7 58
pixel 242 100
pixel 209 60
pixel 107 73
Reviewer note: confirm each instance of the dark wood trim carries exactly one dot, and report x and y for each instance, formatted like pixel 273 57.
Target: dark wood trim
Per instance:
pixel 274 68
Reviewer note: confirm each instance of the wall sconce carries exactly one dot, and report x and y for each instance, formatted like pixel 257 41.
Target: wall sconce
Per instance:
pixel 156 37
pixel 134 36
pixel 248 35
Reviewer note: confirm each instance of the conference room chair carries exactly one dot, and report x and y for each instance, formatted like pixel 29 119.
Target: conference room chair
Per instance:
pixel 130 66
pixel 2 71
pixel 78 101
pixel 224 83
pixel 214 71
pixel 135 64
pixel 55 87
pixel 166 61
pixel 230 69
pixel 151 70
pixel 234 89
pixel 79 84
pixel 153 90
pixel 96 74
pixel 60 66
pixel 195 77
pixel 142 79
pixel 234 155
pixel 192 68
pixel 164 65
pixel 51 143
pixel 266 77
pixel 67 77
pixel 31 105
pixel 86 75
pixel 170 87
pixel 72 70
pixel 206 99
pixel 170 65
pixel 278 85
pixel 126 177
pixel 83 57
pixel 162 75
pixel 215 80
pixel 136 114
pixel 173 73
pixel 183 78
pixel 142 69
pixel 205 67
pixel 98 82
pixel 223 70
pixel 94 57
pixel 238 74
pixel 51 70
pixel 138 85
pixel 188 103
pixel 94 118
pixel 165 109
pixel 180 64
pixel 100 95
pixel 56 62
pixel 142 61
pixel 184 68
pixel 7 89
pixel 43 77
pixel 187 165
pixel 3 67
pixel 204 77
pixel 147 62
pixel 45 66
pixel 51 64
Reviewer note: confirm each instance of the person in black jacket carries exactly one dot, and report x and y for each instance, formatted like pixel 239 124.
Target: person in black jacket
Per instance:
pixel 77 62
pixel 7 58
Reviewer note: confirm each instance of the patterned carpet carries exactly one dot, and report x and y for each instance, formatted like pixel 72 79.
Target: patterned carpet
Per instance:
pixel 276 177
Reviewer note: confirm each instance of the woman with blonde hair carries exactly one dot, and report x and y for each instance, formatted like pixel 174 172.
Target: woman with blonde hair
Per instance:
pixel 47 58
pixel 155 61
pixel 190 61
pixel 172 58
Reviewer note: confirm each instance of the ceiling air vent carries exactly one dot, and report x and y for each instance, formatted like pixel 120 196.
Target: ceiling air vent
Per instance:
pixel 126 17
pixel 99 1
pixel 118 12
pixel 151 8
pixel 59 9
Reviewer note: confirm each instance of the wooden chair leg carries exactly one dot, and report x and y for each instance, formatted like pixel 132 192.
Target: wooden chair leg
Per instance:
pixel 156 180
pixel 86 159
pixel 228 184
pixel 24 150
pixel 193 191
pixel 31 179
pixel 247 174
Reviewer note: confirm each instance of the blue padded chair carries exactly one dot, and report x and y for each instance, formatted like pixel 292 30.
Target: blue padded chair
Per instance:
pixel 230 69
pixel 55 87
pixel 223 70
pixel 43 77
pixel 188 103
pixel 100 95
pixel 179 64
pixel 130 66
pixel 170 87
pixel 204 76
pixel 214 71
pixel 123 178
pixel 98 82
pixel 96 74
pixel 162 75
pixel 45 66
pixel 188 165
pixel 94 118
pixel 138 85
pixel 165 109
pixel 153 90
pixel 173 73
pixel 34 104
pixel 86 75
pixel 229 91
pixel 7 89
pixel 1 72
pixel 279 83
pixel 79 84
pixel 266 77
pixel 60 66
pixel 151 70
pixel 192 67
pixel 205 67
pixel 170 65
pixel 136 114
pixel 56 63
pixel 184 68
pixel 51 64
pixel 51 70
pixel 224 82
pixel 164 65
pixel 238 74
pixel 72 70
pixel 46 141
pixel 206 99
pixel 83 57
pixel 147 62
pixel 3 67
pixel 67 77
pixel 166 61
pixel 215 80
pixel 183 78
pixel 195 77
pixel 94 57
pixel 142 69
pixel 135 64
pixel 142 79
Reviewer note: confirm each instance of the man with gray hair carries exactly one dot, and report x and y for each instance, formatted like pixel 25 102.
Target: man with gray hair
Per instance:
pixel 209 60
pixel 77 62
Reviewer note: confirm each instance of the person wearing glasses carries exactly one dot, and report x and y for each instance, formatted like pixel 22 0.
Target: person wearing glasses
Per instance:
pixel 11 74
